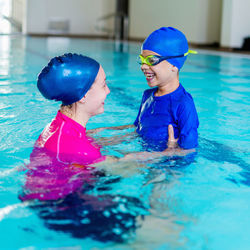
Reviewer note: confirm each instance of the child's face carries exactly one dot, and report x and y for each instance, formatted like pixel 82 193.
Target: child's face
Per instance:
pixel 160 74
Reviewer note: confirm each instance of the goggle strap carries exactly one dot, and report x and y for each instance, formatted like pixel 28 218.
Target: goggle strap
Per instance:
pixel 190 52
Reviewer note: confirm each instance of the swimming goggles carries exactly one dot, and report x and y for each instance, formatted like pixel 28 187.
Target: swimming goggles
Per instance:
pixel 152 60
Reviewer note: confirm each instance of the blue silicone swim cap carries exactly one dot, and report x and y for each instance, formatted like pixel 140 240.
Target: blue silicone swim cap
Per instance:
pixel 67 78
pixel 168 41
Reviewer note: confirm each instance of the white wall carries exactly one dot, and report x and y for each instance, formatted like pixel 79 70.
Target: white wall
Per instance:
pixel 235 23
pixel 203 21
pixel 200 20
pixel 82 15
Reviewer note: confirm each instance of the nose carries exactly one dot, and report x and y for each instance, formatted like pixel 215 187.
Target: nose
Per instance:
pixel 144 66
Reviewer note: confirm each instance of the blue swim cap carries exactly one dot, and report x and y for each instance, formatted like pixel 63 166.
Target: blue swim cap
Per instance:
pixel 168 41
pixel 67 78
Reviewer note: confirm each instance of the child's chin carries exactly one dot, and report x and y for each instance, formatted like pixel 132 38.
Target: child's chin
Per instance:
pixel 151 84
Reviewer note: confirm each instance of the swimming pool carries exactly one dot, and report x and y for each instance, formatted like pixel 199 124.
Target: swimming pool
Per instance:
pixel 198 204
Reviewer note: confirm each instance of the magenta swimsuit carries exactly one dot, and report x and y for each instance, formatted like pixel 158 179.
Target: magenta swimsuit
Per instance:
pixel 59 161
pixel 68 140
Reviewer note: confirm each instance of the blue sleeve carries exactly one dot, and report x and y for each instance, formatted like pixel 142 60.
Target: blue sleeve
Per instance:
pixel 188 124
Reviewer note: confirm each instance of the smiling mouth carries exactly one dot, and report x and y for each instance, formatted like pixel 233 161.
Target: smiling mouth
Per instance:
pixel 149 76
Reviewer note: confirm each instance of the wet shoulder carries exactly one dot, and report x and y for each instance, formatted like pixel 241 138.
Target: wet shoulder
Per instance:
pixel 185 102
pixel 182 96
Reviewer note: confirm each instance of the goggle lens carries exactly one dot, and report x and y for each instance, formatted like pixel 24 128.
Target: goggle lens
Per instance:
pixel 152 60
pixel 149 60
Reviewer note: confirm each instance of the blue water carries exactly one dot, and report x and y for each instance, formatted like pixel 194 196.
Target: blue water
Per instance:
pixel 202 203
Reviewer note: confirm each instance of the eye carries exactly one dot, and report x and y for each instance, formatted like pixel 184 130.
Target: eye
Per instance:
pixel 153 60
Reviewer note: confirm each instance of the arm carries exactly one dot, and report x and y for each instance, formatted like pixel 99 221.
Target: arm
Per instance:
pixel 172 150
pixel 120 127
pixel 188 124
pixel 117 139
pixel 142 156
pixel 97 130
pixel 112 140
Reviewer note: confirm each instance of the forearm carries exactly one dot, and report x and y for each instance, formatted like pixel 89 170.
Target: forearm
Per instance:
pixel 97 130
pixel 117 139
pixel 144 156
pixel 177 151
pixel 120 127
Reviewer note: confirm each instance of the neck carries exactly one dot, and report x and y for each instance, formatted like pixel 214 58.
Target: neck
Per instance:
pixel 81 119
pixel 76 114
pixel 167 88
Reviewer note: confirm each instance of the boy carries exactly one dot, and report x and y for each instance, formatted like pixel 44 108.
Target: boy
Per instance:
pixel 167 103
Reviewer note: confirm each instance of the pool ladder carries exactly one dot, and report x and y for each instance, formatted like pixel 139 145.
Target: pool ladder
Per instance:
pixel 121 21
pixel 120 31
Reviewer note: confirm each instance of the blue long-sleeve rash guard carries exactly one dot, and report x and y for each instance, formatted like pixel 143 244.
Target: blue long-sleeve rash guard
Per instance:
pixel 157 112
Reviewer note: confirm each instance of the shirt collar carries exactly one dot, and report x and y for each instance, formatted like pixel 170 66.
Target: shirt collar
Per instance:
pixel 175 92
pixel 76 125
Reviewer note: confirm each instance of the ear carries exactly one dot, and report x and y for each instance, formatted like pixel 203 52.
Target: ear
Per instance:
pixel 82 100
pixel 174 69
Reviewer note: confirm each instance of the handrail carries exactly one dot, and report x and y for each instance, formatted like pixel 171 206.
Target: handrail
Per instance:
pixel 120 30
pixel 117 14
pixel 13 22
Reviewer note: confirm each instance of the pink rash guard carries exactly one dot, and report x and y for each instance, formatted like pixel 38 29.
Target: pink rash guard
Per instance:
pixel 67 139
pixel 58 161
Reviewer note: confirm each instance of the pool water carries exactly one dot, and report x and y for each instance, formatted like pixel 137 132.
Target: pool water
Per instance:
pixel 173 203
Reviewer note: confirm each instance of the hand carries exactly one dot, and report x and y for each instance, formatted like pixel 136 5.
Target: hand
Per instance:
pixel 173 147
pixel 172 142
